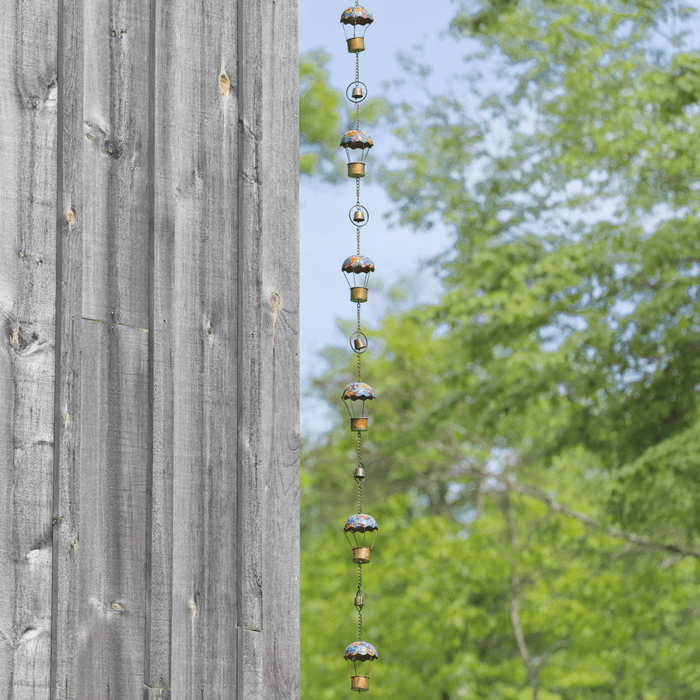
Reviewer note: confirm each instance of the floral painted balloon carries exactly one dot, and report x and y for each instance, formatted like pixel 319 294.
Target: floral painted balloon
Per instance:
pixel 361 658
pixel 356 531
pixel 357 269
pixel 354 17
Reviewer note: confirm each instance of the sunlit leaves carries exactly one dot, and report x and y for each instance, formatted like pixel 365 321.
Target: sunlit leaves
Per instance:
pixel 562 361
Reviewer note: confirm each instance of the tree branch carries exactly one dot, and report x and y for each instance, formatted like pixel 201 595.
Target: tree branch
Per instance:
pixel 522 646
pixel 514 603
pixel 561 644
pixel 555 507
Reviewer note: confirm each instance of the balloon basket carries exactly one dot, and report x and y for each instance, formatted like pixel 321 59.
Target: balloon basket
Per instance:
pixel 361 555
pixel 359 683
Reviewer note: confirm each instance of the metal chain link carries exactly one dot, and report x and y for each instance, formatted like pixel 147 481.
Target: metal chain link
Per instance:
pixel 357 80
pixel 359 612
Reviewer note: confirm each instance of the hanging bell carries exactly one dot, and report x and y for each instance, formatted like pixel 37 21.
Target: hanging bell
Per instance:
pixel 359 599
pixel 357 93
pixel 359 216
pixel 359 473
pixel 358 342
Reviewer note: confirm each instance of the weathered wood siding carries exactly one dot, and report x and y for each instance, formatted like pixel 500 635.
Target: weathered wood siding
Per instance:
pixel 148 367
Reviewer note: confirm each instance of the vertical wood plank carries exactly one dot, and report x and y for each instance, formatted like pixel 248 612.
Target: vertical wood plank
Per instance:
pixel 115 138
pixel 27 293
pixel 193 530
pixel 115 311
pixel 67 391
pixel 279 444
pixel 102 494
pixel 252 350
pixel 250 665
pixel 111 510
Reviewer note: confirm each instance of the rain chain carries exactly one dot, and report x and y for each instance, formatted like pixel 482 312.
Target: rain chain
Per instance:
pixel 361 528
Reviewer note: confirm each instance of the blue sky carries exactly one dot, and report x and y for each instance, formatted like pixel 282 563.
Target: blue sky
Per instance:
pixel 327 237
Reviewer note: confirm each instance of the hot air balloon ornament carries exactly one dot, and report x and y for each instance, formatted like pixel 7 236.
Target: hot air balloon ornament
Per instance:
pixel 357 269
pixel 359 530
pixel 361 658
pixel 356 144
pixel 354 17
pixel 357 397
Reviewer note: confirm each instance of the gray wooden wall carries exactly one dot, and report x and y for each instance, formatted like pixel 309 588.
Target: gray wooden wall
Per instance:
pixel 149 502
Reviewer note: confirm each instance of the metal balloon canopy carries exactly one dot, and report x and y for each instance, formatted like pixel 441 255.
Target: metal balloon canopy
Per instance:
pixel 363 657
pixel 354 17
pixel 361 522
pixel 358 391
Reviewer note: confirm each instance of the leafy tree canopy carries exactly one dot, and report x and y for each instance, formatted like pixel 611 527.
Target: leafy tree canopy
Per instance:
pixel 534 443
pixel 319 117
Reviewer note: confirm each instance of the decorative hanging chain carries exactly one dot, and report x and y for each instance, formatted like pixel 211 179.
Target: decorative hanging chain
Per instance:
pixel 359 529
pixel 357 108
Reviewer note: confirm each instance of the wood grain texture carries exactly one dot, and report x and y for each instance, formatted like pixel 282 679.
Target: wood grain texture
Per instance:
pixel 279 445
pixel 68 374
pixel 193 638
pixel 102 497
pixel 250 665
pixel 115 141
pixel 252 304
pixel 149 350
pixel 111 510
pixel 112 505
pixel 27 290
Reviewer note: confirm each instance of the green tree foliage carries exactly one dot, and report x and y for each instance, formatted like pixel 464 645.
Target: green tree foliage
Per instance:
pixel 319 118
pixel 534 447
pixel 322 121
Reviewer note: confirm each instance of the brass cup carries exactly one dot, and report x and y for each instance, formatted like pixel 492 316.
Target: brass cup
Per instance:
pixel 356 44
pixel 359 683
pixel 358 424
pixel 361 555
pixel 356 169
pixel 358 294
